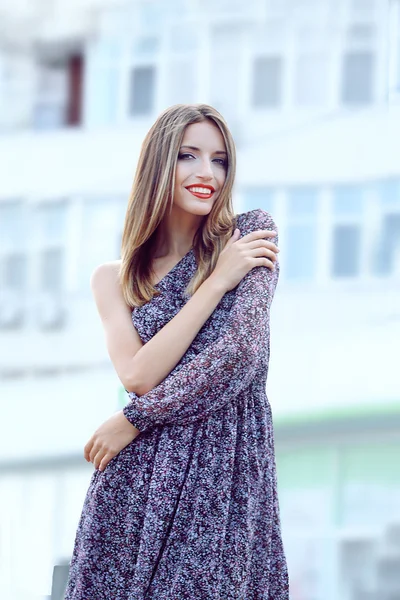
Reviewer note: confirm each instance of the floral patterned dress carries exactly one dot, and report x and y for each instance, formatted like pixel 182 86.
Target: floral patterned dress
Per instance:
pixel 189 509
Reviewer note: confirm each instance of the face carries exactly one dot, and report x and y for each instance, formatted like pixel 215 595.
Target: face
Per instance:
pixel 201 168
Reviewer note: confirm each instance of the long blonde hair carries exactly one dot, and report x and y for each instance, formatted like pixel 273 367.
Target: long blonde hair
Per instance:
pixel 152 194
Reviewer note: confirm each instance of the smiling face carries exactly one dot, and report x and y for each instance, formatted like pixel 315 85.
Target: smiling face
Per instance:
pixel 201 168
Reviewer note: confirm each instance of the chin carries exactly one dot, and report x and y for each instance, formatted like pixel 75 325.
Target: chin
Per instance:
pixel 197 208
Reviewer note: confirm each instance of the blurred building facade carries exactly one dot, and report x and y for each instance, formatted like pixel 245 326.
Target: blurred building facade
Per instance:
pixel 311 91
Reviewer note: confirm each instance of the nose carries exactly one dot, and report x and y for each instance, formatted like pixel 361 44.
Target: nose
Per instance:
pixel 205 171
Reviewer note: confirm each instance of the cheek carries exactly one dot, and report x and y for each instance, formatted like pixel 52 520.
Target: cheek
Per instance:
pixel 220 176
pixel 182 172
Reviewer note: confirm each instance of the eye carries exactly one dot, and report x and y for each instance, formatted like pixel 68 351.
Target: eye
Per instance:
pixel 185 156
pixel 221 161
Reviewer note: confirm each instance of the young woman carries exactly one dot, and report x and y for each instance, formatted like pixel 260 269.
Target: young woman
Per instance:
pixel 183 502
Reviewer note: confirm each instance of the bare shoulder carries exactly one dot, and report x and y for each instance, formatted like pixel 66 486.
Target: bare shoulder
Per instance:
pixel 105 275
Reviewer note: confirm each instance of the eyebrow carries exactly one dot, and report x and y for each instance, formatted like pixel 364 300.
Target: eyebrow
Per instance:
pixel 198 150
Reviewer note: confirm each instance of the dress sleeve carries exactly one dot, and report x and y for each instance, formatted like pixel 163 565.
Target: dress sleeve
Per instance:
pixel 226 366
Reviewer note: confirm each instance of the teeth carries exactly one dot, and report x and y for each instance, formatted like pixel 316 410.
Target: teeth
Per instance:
pixel 200 190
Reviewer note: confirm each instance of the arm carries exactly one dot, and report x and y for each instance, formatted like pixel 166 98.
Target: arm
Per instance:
pixel 225 367
pixel 139 366
pixel 122 339
pixel 160 355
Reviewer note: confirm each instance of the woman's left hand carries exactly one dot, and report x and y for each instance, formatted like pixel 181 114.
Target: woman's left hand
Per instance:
pixel 109 439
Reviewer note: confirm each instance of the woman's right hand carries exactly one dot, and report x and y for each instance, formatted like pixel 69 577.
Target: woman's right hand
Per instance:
pixel 240 255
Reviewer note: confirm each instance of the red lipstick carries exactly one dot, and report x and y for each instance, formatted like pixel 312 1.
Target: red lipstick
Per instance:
pixel 199 191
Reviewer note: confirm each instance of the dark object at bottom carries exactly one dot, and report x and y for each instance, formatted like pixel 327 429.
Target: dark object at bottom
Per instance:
pixel 59 584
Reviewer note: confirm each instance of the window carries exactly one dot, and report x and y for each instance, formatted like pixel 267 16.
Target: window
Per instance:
pixel 152 15
pixel 347 255
pixel 13 263
pixel 267 81
pixel 49 226
pixel 101 234
pixel 361 33
pixel 49 253
pixel 183 40
pixel 394 48
pixel 182 82
pixel 51 270
pixel 142 90
pixel 103 81
pixel 59 93
pixel 146 47
pixel 362 6
pixel 311 83
pixel 226 68
pixel 259 197
pixel 14 271
pixel 237 7
pixel 358 78
pixel 16 82
pixel 277 7
pixel 301 234
pixel 386 258
pixel 348 213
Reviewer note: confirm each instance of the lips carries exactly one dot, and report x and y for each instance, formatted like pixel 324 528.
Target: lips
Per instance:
pixel 201 191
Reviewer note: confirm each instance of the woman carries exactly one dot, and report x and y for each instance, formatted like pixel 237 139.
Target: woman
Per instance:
pixel 183 502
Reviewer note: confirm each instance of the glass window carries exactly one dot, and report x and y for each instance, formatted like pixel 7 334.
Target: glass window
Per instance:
pixel 102 87
pixel 183 40
pixel 360 6
pixel 153 14
pixel 259 197
pixel 389 192
pixel 51 270
pixel 267 81
pixel 147 46
pixel 50 222
pixel 14 271
pixel 311 84
pixel 52 96
pixel 226 38
pixel 12 224
pixel 142 91
pixel 101 235
pixel 182 82
pixel 277 7
pixel 361 32
pixel 302 240
pixel 348 201
pixel 108 50
pixel 301 251
pixel 394 47
pixel 358 77
pixel 387 258
pixel 269 37
pixel 225 85
pixel 302 202
pixel 228 6
pixel 346 250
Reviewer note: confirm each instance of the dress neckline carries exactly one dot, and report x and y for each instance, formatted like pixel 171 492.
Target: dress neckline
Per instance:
pixel 176 265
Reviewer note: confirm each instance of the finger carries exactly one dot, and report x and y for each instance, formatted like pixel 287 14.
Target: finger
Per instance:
pixel 87 449
pixel 258 234
pixel 96 447
pixel 106 459
pixel 99 457
pixel 261 261
pixel 262 251
pixel 235 236
pixel 265 243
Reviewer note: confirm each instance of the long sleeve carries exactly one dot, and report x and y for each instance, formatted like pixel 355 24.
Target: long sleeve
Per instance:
pixel 225 367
